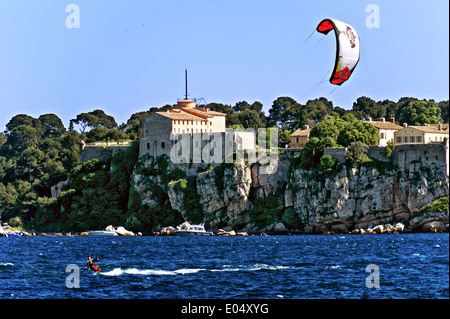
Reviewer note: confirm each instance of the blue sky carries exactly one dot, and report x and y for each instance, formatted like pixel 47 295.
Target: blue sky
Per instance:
pixel 128 56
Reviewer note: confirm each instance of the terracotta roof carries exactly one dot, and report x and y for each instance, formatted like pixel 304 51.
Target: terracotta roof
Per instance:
pixel 209 112
pixel 430 129
pixel 385 125
pixel 444 126
pixel 174 115
pixel 301 132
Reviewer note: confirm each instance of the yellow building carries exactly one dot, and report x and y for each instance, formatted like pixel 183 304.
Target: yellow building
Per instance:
pixel 427 133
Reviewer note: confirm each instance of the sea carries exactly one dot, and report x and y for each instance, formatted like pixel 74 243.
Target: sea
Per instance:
pixel 387 266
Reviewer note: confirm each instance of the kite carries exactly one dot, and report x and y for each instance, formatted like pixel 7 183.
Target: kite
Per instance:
pixel 347 49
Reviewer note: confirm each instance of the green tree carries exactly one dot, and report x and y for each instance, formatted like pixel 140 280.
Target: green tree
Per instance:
pixel 85 120
pixel 252 119
pixel 52 125
pixel 421 112
pixel 311 153
pixel 20 138
pixel 369 108
pixel 96 118
pixel 5 197
pixel 282 112
pixel 390 148
pixel 357 154
pixel 330 127
pixel 327 164
pixel 318 109
pixel 266 211
pixel 23 119
pixel 359 131
pixel 443 105
pixel 290 219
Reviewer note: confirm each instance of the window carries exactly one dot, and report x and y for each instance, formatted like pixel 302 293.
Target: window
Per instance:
pixel 405 139
pixel 399 139
pixel 382 136
pixel 412 139
pixel 163 144
pixel 148 146
pixel 419 139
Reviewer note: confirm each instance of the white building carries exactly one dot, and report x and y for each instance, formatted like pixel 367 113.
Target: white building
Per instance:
pixel 386 130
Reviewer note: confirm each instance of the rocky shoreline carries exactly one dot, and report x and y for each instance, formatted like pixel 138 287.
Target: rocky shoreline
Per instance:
pixel 431 222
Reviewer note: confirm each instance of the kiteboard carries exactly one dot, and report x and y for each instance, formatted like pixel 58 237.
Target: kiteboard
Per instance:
pixel 95 268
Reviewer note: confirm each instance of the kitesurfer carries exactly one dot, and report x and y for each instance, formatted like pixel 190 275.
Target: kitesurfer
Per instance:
pixel 90 263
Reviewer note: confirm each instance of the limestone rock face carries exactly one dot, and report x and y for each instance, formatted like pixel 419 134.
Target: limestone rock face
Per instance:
pixel 352 199
pixel 430 222
pixel 362 198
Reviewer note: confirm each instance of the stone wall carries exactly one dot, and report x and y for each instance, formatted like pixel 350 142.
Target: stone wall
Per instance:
pixel 100 152
pixel 405 156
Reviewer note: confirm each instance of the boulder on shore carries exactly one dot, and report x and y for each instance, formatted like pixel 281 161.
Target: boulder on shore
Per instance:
pixel 123 232
pixel 168 231
pixel 430 222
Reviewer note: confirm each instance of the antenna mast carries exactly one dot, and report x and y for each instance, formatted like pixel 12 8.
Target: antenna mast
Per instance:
pixel 185 77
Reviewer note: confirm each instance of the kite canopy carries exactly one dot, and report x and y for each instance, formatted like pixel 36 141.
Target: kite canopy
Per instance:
pixel 347 48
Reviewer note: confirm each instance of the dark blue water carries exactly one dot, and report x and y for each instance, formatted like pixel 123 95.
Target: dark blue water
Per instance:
pixel 273 267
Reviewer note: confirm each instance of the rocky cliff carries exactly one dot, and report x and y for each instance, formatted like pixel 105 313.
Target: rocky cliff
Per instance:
pixel 348 199
pixel 362 198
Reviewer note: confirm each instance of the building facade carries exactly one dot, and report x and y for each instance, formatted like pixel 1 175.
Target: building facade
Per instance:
pixel 299 137
pixel 192 128
pixel 386 130
pixel 427 133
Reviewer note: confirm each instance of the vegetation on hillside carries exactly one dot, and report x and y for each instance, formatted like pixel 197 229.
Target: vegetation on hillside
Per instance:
pixel 38 153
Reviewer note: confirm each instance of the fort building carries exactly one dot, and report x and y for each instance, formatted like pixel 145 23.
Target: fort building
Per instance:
pixel 160 131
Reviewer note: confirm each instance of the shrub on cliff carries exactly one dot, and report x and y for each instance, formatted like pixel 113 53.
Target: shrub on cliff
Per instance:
pixel 357 154
pixel 390 147
pixel 439 205
pixel 290 219
pixel 327 164
pixel 266 211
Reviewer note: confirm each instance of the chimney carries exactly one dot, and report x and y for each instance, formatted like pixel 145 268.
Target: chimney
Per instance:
pixel 392 119
pixel 439 126
pixel 383 119
pixel 369 119
pixel 306 127
pixel 405 124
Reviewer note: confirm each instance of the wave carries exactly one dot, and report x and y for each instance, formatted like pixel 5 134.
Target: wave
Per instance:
pixel 184 271
pixel 155 272
pixel 6 265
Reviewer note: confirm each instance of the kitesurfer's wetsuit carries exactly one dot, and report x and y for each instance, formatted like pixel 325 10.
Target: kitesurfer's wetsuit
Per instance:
pixel 90 262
